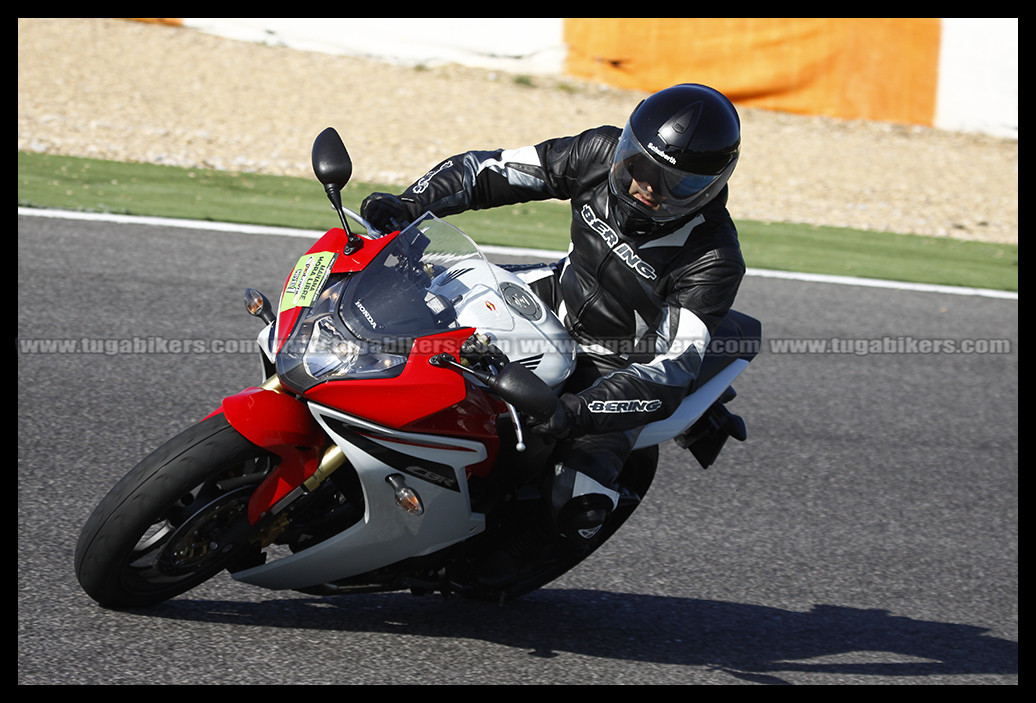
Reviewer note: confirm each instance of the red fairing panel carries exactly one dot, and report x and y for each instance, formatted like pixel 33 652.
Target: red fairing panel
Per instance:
pixel 283 425
pixel 419 391
pixel 326 257
pixel 474 418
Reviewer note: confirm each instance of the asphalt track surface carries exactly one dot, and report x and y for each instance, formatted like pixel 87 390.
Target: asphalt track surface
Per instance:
pixel 866 533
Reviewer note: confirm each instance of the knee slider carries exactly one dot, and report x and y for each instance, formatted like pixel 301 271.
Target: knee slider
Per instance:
pixel 581 517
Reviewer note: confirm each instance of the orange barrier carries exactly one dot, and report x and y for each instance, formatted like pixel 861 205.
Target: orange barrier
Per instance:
pixel 172 21
pixel 856 68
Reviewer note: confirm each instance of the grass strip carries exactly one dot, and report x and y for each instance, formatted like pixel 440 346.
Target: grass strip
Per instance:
pixel 92 185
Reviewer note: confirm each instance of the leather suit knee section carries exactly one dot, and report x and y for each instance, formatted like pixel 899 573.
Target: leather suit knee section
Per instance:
pixel 584 486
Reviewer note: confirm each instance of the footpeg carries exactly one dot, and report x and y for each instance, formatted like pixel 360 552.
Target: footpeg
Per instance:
pixel 706 437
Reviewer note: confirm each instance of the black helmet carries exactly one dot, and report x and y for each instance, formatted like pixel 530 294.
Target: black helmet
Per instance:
pixel 676 153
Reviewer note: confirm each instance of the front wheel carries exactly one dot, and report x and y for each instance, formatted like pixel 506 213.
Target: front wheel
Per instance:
pixel 153 536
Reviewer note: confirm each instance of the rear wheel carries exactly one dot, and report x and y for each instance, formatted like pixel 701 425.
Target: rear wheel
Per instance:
pixel 546 561
pixel 157 533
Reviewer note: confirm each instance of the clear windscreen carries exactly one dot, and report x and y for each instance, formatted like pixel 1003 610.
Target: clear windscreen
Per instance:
pixel 431 278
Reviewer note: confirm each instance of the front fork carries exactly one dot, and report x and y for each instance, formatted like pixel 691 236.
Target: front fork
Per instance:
pixel 270 417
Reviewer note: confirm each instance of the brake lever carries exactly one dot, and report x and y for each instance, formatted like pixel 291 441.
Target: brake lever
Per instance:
pixel 444 360
pixel 513 412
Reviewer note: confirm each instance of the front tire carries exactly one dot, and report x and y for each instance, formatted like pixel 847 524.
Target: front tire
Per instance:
pixel 151 537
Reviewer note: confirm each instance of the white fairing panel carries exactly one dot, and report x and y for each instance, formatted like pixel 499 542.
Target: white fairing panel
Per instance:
pixel 501 305
pixel 692 407
pixel 433 466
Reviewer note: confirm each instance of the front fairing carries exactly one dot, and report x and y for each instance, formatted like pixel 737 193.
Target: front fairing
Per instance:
pixel 361 323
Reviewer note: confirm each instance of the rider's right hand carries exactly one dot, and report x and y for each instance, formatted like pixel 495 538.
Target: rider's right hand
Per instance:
pixel 385 212
pixel 564 423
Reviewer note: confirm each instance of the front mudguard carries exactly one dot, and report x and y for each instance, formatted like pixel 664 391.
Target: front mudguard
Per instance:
pixel 283 425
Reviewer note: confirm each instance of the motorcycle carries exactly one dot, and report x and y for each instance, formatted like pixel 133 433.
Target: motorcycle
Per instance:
pixel 386 448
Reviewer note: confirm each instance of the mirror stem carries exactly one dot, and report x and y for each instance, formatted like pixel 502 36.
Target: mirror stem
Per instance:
pixel 335 196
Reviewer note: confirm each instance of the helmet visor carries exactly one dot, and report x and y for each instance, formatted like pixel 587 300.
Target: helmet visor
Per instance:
pixel 660 191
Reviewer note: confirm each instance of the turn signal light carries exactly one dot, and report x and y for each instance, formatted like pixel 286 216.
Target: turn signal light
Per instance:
pixel 406 497
pixel 257 305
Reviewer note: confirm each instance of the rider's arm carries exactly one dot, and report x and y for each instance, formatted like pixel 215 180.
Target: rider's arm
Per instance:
pixel 475 180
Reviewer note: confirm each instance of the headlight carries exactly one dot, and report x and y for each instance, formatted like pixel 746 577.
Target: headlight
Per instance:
pixel 330 354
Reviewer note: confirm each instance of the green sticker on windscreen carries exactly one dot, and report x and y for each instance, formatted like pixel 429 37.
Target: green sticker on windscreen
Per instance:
pixel 307 279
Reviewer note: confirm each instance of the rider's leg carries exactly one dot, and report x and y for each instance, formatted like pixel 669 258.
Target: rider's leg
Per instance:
pixel 584 488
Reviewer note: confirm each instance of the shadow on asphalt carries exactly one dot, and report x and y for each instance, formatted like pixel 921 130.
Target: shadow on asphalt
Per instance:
pixel 754 643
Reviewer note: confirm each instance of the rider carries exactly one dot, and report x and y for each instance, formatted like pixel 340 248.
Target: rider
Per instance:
pixel 653 266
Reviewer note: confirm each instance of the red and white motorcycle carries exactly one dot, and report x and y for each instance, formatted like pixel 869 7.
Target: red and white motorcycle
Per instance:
pixel 385 449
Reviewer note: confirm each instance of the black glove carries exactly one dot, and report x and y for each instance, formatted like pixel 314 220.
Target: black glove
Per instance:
pixel 385 212
pixel 565 423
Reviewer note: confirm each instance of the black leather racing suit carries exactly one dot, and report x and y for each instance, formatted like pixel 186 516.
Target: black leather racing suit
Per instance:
pixel 642 307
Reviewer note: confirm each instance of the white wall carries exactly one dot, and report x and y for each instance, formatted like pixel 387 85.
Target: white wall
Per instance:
pixel 516 44
pixel 978 75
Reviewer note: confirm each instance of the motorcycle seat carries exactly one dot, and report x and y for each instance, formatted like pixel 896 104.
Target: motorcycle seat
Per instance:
pixel 738 336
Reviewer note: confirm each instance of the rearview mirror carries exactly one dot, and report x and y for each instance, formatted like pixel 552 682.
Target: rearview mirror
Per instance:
pixel 331 162
pixel 334 168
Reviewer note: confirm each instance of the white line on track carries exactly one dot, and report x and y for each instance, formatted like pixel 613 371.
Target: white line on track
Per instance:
pixel 514 251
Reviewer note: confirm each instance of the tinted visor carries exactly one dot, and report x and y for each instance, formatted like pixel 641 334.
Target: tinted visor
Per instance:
pixel 660 191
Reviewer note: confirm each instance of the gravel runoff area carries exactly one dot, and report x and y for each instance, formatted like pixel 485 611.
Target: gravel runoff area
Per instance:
pixel 116 89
